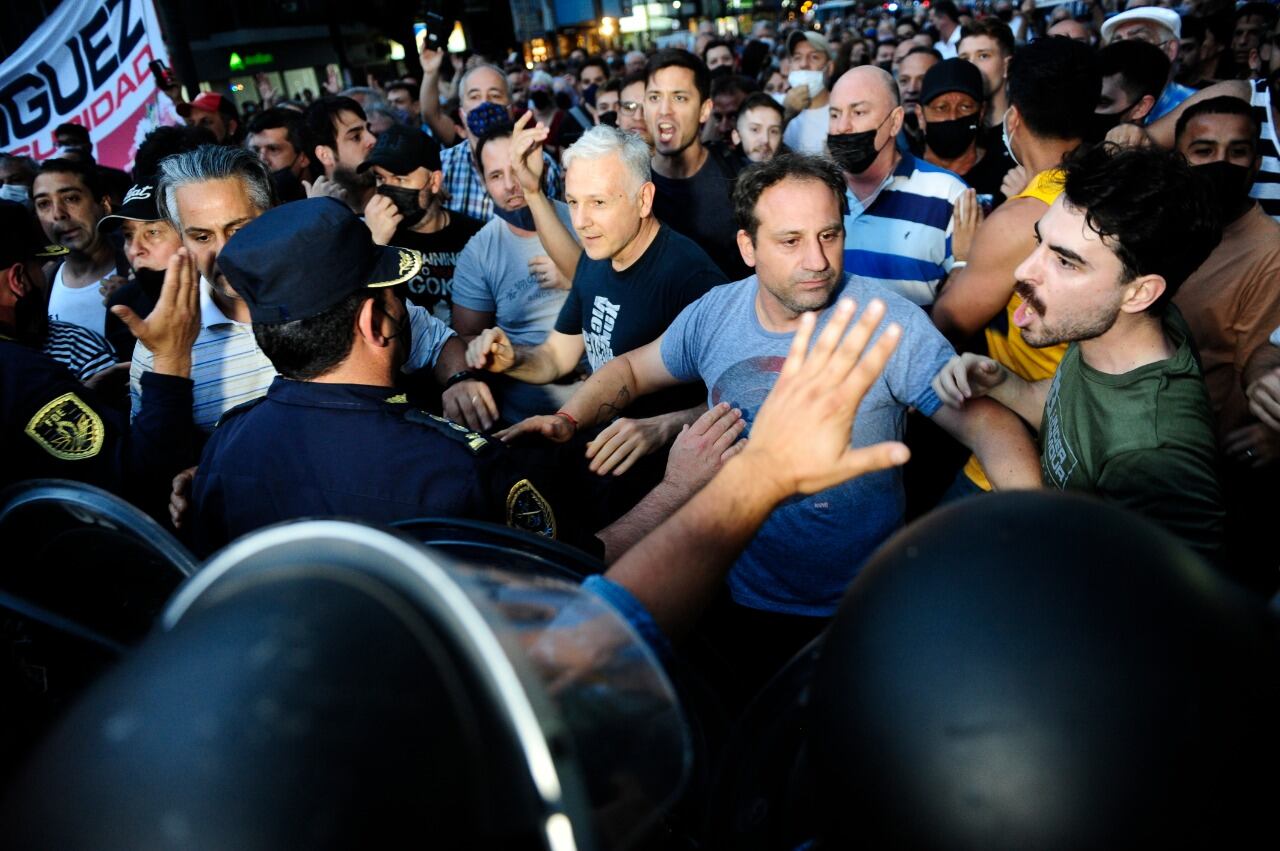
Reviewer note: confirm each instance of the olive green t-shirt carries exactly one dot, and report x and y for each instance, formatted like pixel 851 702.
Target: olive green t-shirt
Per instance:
pixel 1143 439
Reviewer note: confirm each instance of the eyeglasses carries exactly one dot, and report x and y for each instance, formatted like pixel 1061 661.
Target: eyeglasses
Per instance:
pixel 631 108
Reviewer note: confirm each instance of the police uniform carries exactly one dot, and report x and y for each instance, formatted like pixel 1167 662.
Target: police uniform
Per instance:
pixel 55 427
pixel 310 448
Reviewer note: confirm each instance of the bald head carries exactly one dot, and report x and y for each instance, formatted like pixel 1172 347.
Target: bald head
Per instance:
pixel 865 83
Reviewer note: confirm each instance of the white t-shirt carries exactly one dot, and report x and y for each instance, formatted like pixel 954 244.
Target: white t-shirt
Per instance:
pixel 81 306
pixel 807 132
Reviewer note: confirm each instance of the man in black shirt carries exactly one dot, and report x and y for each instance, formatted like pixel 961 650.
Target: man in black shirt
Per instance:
pixel 408 212
pixel 632 276
pixel 693 181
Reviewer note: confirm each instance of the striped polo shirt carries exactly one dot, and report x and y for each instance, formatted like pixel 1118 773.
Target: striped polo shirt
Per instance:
pixel 228 368
pixel 900 237
pixel 1266 186
pixel 83 352
pixel 465 188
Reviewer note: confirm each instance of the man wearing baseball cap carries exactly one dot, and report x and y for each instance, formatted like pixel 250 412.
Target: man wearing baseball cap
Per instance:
pixel 953 109
pixel 408 211
pixel 806 101
pixel 334 437
pixel 54 426
pixel 1158 26
pixel 149 241
pixel 215 113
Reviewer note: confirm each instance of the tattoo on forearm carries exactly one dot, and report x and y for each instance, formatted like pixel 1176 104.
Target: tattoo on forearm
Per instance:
pixel 609 410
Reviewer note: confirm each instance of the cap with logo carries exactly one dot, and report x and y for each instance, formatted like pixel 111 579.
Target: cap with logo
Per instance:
pixel 262 260
pixel 816 41
pixel 402 150
pixel 21 237
pixel 951 75
pixel 1166 18
pixel 139 205
pixel 207 101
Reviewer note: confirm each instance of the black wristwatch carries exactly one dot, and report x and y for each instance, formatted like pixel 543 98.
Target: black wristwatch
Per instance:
pixel 464 375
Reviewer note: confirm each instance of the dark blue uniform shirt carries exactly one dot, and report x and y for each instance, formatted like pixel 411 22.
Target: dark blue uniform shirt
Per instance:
pixel 311 449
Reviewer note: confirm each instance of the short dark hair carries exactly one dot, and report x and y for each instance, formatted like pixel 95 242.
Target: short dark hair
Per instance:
pixel 1150 208
pixel 304 349
pixel 594 62
pixel 408 87
pixel 1143 68
pixel 1255 9
pixel 498 131
pixel 994 29
pixel 733 83
pixel 755 179
pixel 165 142
pixel 320 118
pixel 613 84
pixel 1055 84
pixel 946 7
pixel 928 51
pixel 1221 105
pixel 71 129
pixel 87 172
pixel 760 100
pixel 718 42
pixel 673 57
pixel 635 77
pixel 287 119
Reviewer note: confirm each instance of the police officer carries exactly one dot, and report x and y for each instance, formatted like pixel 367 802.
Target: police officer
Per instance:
pixel 53 425
pixel 334 437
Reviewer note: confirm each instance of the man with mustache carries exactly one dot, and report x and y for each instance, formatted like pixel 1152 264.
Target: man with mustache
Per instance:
pixel 1126 416
pixel 790 211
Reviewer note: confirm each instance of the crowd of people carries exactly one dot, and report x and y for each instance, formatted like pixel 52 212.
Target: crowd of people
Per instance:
pixel 562 297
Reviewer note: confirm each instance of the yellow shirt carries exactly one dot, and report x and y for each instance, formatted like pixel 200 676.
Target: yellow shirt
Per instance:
pixel 1007 345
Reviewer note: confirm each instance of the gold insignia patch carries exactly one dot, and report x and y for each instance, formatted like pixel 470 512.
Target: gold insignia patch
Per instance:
pixel 408 262
pixel 528 511
pixel 67 428
pixel 398 399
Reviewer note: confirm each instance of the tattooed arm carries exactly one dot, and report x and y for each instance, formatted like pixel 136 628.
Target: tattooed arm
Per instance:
pixel 604 395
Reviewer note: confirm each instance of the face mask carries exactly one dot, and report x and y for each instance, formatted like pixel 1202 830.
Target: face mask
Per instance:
pixel 1004 135
pixel 151 280
pixel 855 152
pixel 406 201
pixel 539 100
pixel 886 65
pixel 778 96
pixel 589 94
pixel 1230 183
pixel 15 192
pixel 1101 123
pixel 950 139
pixel 721 71
pixel 812 79
pixel 521 218
pixel 609 119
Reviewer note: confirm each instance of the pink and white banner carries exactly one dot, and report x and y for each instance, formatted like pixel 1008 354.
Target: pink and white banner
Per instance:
pixel 87 64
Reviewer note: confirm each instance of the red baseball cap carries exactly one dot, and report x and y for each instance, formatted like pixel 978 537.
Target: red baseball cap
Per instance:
pixel 207 101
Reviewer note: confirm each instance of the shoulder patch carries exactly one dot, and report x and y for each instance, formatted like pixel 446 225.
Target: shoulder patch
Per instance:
pixel 67 428
pixel 473 440
pixel 529 511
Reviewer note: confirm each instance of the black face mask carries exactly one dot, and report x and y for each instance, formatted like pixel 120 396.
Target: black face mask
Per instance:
pixel 406 201
pixel 950 139
pixel 288 187
pixel 855 152
pixel 721 72
pixel 541 100
pixel 1101 123
pixel 609 119
pixel 151 280
pixel 886 65
pixel 1230 183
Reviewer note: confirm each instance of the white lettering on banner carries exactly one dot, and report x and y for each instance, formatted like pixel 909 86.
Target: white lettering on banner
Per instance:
pixel 88 65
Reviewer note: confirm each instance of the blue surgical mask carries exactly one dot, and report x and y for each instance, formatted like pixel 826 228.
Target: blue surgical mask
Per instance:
pixel 15 192
pixel 521 218
pixel 1004 134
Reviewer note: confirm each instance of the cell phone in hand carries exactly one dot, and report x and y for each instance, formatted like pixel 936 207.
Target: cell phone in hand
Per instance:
pixel 164 77
pixel 429 33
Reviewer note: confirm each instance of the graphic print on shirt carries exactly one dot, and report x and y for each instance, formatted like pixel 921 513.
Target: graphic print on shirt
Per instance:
pixel 1057 460
pixel 746 384
pixel 599 339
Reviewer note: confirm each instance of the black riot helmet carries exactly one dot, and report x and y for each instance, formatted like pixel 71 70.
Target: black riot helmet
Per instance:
pixel 1039 670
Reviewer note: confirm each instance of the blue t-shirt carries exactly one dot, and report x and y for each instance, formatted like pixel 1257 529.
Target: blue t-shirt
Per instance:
pixel 811 547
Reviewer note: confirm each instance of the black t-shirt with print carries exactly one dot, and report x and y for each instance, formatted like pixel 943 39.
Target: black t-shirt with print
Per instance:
pixel 433 287
pixel 701 208
pixel 619 311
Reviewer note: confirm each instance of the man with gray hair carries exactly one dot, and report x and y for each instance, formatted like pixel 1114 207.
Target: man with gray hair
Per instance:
pixel 632 276
pixel 208 195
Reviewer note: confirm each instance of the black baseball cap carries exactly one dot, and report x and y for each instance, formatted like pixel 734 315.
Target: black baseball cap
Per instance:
pixel 139 205
pixel 401 150
pixel 300 259
pixel 952 75
pixel 21 237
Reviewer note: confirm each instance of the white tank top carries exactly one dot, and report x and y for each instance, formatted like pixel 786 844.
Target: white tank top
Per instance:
pixel 81 306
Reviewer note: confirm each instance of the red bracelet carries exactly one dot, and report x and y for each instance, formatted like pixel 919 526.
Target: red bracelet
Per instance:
pixel 571 420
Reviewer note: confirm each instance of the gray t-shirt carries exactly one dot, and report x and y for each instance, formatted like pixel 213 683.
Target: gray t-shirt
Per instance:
pixel 492 276
pixel 811 547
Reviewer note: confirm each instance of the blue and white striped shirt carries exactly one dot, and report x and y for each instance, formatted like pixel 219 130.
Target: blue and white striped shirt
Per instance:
pixel 900 237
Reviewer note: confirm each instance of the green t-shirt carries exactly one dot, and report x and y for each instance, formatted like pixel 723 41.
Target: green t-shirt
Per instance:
pixel 1143 439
